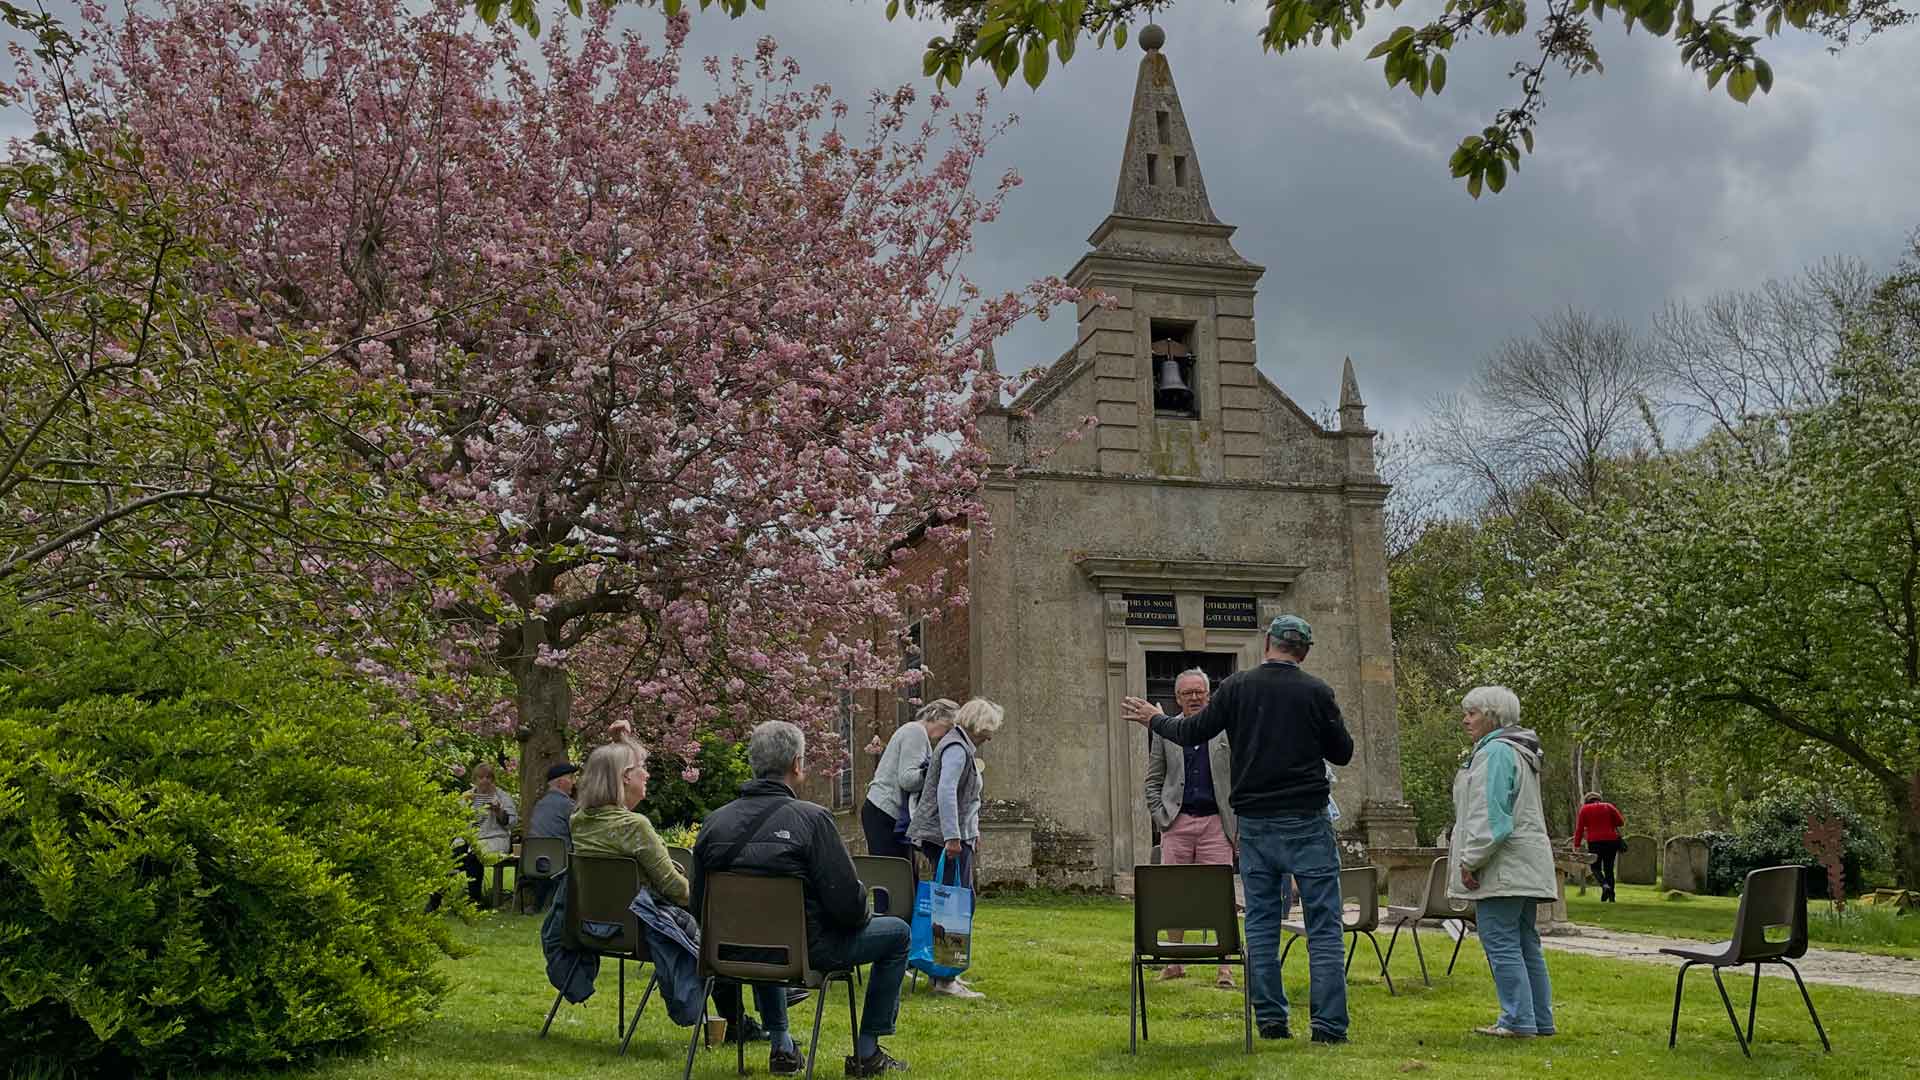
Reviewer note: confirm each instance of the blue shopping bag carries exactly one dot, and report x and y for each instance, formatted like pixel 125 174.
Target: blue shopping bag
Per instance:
pixel 942 942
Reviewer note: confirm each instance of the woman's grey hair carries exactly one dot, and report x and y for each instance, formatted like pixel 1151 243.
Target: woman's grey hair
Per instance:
pixel 773 749
pixel 1206 680
pixel 1495 701
pixel 937 711
pixel 603 780
pixel 979 717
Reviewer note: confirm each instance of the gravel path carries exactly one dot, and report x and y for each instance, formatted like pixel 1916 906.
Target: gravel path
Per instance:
pixel 1866 971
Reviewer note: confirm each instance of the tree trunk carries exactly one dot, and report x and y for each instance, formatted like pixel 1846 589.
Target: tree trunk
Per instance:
pixel 543 699
pixel 1906 807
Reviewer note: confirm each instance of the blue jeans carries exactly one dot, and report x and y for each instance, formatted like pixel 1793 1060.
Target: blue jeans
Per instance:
pixel 1271 848
pixel 1512 944
pixel 882 943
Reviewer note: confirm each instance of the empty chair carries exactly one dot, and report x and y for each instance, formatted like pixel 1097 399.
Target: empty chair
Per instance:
pixel 542 858
pixel 754 930
pixel 600 919
pixel 1774 899
pixel 1185 897
pixel 1434 904
pixel 682 858
pixel 1359 914
pixel 891 882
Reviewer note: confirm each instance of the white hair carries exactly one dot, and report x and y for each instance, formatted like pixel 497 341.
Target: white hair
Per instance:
pixel 773 749
pixel 1495 701
pixel 979 717
pixel 1206 680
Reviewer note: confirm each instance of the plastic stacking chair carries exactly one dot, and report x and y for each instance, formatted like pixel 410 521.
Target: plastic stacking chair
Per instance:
pixel 542 858
pixel 1183 897
pixel 1774 899
pixel 754 930
pixel 682 858
pixel 1434 904
pixel 1359 914
pixel 892 883
pixel 600 919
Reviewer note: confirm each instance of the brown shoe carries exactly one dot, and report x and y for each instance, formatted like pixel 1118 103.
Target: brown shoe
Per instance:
pixel 1225 979
pixel 1172 971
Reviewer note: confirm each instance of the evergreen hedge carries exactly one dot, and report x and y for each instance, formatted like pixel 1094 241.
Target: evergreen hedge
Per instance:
pixel 207 859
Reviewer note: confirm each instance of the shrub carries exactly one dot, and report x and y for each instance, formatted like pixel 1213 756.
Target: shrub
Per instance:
pixel 672 800
pixel 208 860
pixel 1771 831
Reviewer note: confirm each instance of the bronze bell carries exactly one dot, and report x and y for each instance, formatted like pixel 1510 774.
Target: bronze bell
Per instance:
pixel 1170 384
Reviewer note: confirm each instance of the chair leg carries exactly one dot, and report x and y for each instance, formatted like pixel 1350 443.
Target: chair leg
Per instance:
pixel 620 1018
pixel 853 1019
pixel 1731 1018
pixel 1353 942
pixel 1285 947
pixel 1384 974
pixel 1456 948
pixel 1133 1006
pixel 1420 955
pixel 571 968
pixel 1673 1033
pixel 635 1025
pixel 1144 1036
pixel 1246 1004
pixel 693 1043
pixel 1753 1003
pixel 819 1010
pixel 740 1044
pixel 1804 996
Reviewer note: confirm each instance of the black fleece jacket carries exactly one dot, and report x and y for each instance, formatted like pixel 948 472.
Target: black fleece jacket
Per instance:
pixel 1284 726
pixel 797 839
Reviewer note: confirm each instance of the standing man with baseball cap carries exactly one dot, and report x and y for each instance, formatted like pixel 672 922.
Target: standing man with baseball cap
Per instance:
pixel 1284 728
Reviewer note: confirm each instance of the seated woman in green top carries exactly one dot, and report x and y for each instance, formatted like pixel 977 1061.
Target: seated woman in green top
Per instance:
pixel 615 781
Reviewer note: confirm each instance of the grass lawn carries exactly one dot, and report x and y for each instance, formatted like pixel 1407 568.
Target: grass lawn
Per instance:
pixel 1644 909
pixel 1056 975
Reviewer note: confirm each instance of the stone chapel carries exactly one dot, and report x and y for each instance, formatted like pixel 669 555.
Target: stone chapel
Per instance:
pixel 1205 503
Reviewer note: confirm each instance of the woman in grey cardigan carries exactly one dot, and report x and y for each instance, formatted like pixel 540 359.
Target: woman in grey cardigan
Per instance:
pixel 898 777
pixel 946 821
pixel 1500 858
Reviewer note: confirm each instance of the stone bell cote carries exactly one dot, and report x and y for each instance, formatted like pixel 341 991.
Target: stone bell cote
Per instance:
pixel 1175 385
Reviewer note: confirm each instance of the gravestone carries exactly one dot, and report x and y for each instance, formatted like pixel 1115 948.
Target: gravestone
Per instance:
pixel 1640 862
pixel 1685 865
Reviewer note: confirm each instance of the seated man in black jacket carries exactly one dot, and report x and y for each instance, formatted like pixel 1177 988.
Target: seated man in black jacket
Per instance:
pixel 768 831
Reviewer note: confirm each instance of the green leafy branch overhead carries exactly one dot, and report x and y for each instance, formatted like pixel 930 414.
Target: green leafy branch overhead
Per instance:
pixel 1720 42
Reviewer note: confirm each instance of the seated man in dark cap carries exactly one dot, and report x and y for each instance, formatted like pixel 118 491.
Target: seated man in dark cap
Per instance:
pixel 552 816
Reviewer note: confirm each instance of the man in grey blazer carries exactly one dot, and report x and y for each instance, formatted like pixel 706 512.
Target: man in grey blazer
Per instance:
pixel 1187 794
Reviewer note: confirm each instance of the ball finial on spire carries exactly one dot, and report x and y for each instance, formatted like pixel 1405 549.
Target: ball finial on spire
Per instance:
pixel 1153 37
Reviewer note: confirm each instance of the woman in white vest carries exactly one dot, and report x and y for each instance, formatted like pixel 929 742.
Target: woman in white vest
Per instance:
pixel 1500 858
pixel 946 820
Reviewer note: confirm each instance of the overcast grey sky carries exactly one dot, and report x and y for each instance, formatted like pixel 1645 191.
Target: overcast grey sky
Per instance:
pixel 1646 185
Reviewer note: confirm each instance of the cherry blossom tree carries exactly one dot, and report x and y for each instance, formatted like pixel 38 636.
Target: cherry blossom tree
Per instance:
pixel 697 361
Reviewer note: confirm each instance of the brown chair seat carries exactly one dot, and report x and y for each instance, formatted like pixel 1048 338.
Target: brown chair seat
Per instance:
pixel 1187 898
pixel 1434 904
pixel 1359 914
pixel 1773 898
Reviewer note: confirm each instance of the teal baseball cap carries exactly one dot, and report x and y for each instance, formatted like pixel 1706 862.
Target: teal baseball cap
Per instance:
pixel 1291 628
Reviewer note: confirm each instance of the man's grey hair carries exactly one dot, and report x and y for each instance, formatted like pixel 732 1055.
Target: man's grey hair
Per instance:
pixel 1206 680
pixel 774 748
pixel 1290 644
pixel 1495 701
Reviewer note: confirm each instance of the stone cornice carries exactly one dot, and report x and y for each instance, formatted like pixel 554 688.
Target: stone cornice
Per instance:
pixel 1362 490
pixel 1124 573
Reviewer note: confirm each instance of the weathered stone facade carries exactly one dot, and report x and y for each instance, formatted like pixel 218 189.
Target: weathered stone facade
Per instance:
pixel 1181 525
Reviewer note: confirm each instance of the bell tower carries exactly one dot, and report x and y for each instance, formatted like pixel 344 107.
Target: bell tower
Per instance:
pixel 1174 380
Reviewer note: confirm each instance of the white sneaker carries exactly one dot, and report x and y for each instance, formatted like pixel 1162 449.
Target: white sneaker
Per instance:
pixel 958 989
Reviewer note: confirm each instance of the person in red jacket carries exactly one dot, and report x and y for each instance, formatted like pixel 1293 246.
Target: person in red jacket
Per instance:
pixel 1599 826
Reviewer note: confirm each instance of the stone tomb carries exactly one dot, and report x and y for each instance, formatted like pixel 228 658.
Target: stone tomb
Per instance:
pixel 1640 863
pixel 1685 865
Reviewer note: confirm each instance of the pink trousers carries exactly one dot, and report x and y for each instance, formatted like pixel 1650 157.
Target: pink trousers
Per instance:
pixel 1195 840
